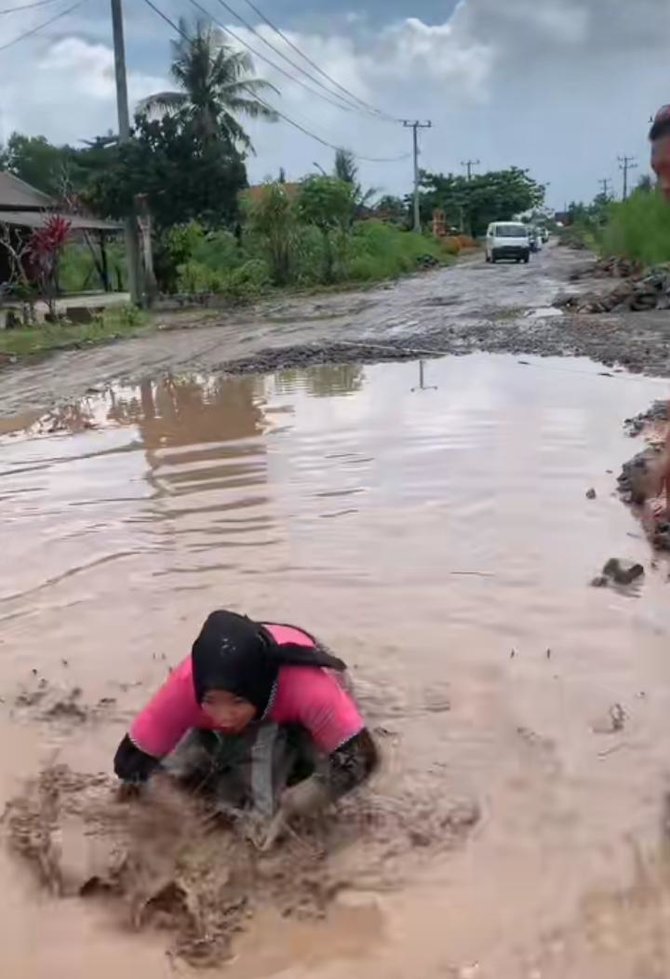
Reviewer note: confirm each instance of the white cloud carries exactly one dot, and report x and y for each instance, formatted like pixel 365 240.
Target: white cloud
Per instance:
pixel 560 86
pixel 68 91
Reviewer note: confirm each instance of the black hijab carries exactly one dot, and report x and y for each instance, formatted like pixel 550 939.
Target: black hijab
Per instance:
pixel 234 653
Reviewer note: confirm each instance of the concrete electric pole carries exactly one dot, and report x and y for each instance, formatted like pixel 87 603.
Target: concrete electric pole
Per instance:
pixel 415 127
pixel 626 163
pixel 605 186
pixel 132 246
pixel 468 165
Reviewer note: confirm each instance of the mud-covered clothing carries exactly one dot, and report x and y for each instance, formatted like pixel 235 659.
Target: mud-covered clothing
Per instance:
pixel 310 725
pixel 251 770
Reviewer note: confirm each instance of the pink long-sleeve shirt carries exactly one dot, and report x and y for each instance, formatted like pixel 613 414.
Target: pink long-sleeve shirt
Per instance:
pixel 306 695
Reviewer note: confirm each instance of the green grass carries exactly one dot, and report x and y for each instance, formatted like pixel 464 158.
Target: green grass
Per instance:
pixel 114 325
pixel 372 253
pixel 638 228
pixel 380 251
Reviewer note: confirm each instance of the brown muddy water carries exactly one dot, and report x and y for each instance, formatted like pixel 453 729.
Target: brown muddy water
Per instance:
pixel 430 522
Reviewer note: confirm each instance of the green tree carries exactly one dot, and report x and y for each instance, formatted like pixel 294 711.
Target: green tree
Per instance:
pixel 390 208
pixel 216 86
pixel 328 204
pixel 272 217
pixel 345 166
pixel 495 196
pixel 346 170
pixel 40 163
pixel 185 178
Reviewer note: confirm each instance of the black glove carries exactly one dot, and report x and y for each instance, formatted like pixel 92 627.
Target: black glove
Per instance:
pixel 131 764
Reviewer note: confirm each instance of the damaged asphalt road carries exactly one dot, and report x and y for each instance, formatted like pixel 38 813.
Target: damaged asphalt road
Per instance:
pixel 467 307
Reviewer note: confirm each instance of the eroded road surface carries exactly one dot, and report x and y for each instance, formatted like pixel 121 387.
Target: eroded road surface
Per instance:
pixel 430 521
pixel 467 307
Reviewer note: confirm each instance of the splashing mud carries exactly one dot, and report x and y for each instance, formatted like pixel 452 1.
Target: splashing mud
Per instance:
pixel 163 859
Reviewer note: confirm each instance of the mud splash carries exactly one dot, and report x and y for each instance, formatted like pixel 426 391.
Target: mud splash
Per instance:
pixel 164 860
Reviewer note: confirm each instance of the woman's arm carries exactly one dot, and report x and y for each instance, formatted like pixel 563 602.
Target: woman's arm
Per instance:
pixel 353 763
pixel 157 730
pixel 131 764
pixel 347 767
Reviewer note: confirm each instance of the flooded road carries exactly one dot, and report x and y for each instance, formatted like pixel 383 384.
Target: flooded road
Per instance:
pixel 429 520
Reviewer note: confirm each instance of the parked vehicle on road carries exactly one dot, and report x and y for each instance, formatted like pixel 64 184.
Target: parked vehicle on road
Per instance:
pixel 507 239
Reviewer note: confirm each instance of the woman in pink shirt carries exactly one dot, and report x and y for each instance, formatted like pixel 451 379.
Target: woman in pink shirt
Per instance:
pixel 259 717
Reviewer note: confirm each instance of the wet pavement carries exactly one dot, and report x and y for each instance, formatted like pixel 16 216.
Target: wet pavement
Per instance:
pixel 429 520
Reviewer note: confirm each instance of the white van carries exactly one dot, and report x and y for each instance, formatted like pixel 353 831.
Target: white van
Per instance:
pixel 507 239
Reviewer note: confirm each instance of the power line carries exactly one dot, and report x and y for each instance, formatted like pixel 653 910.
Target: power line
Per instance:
pixel 313 64
pixel 343 104
pixel 26 6
pixel 271 108
pixel 40 27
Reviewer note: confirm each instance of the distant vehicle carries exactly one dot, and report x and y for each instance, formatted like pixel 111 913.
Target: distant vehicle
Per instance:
pixel 507 239
pixel 545 235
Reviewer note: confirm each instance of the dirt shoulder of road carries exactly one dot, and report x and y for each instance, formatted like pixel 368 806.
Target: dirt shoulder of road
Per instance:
pixel 116 324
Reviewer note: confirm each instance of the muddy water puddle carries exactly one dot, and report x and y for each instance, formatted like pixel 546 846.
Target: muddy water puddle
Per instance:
pixel 430 521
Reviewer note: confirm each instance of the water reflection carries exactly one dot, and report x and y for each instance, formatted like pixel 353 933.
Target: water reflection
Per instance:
pixel 323 380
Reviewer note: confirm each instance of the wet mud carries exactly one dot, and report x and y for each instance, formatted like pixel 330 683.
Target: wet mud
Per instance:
pixel 165 860
pixel 643 482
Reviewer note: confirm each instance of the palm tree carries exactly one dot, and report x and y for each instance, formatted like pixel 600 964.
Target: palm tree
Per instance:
pixel 346 169
pixel 216 85
pixel 345 166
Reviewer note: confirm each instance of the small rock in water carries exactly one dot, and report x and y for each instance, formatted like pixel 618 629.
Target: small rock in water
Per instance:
pixel 600 581
pixel 591 494
pixel 621 571
pixel 613 722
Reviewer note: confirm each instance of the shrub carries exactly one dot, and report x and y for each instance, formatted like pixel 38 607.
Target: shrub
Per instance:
pixel 381 251
pixel 186 244
pixel 272 223
pixel 248 280
pixel 638 228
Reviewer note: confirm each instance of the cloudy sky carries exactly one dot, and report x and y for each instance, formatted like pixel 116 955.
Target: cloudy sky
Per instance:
pixel 559 86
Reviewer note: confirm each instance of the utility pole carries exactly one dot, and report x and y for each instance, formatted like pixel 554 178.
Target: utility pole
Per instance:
pixel 605 186
pixel 132 245
pixel 626 163
pixel 415 127
pixel 468 165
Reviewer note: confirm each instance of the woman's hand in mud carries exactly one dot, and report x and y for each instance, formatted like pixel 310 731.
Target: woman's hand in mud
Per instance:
pixel 128 791
pixel 305 799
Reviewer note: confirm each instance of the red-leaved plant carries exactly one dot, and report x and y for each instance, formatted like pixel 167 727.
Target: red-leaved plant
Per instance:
pixel 44 250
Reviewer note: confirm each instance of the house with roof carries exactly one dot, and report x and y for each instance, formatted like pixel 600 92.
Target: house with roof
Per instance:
pixel 24 208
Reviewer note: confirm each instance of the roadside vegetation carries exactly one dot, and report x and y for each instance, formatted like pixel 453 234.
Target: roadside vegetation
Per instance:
pixel 637 229
pixel 114 324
